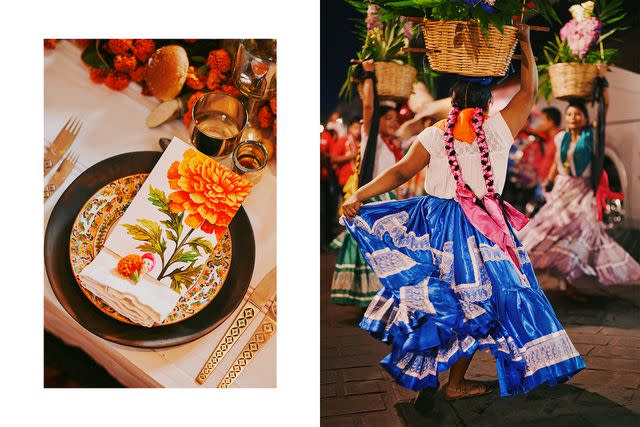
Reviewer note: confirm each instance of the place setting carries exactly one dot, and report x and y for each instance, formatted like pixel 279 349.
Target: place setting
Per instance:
pixel 154 249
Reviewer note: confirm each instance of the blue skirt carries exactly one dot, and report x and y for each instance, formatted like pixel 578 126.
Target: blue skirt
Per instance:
pixel 449 291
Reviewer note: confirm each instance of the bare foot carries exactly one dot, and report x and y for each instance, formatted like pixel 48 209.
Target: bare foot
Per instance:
pixel 466 389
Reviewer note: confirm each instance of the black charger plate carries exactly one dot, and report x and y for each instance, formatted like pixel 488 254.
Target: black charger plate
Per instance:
pixel 67 290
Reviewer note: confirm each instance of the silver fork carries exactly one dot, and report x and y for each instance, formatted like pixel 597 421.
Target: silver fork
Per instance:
pixel 67 165
pixel 61 144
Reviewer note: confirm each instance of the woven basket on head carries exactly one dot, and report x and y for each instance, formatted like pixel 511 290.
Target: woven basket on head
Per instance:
pixel 572 80
pixel 395 81
pixel 460 47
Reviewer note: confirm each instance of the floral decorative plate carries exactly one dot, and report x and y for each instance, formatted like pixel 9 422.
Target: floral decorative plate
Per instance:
pixel 92 226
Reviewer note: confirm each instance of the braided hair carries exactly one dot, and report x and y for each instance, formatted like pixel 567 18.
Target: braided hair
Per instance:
pixel 469 95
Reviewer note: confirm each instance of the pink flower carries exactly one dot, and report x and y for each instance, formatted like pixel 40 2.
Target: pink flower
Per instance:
pixel 373 21
pixel 581 35
pixel 407 28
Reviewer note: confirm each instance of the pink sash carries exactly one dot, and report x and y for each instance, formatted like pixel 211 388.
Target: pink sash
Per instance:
pixel 489 215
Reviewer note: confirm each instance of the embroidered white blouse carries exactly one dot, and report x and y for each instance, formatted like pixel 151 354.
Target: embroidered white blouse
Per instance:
pixel 439 180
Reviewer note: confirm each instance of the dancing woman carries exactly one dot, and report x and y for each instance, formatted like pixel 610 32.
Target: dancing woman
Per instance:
pixel 455 277
pixel 353 282
pixel 566 235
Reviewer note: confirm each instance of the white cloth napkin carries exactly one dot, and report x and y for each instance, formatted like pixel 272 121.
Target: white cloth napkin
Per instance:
pixel 146 303
pixel 182 189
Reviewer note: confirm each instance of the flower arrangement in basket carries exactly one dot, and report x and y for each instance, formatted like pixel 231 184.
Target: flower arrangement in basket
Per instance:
pixel 468 37
pixel 384 41
pixel 572 57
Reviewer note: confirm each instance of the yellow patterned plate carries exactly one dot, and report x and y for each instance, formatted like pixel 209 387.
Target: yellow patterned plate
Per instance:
pixel 92 226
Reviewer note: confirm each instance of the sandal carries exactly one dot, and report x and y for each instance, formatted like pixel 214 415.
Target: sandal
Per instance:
pixel 468 389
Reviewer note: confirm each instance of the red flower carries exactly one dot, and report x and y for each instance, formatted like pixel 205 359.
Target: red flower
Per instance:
pixel 82 43
pixel 143 49
pixel 125 63
pixel 117 80
pixel 265 117
pixel 50 43
pixel 119 46
pixel 275 127
pixel 219 60
pixel 193 80
pixel 137 75
pixel 230 89
pixel 187 118
pixel 214 79
pixel 192 101
pixel 97 75
pixel 273 105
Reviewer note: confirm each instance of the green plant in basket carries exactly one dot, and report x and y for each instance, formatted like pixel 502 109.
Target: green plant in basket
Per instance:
pixel 383 39
pixel 581 39
pixel 485 12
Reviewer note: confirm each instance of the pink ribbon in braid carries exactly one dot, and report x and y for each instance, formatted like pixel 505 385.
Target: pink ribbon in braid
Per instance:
pixel 490 214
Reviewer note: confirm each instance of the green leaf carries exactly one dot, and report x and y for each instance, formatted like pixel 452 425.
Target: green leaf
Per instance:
pixel 159 199
pixel 171 235
pixel 198 59
pixel 189 256
pixel 202 243
pixel 92 58
pixel 202 69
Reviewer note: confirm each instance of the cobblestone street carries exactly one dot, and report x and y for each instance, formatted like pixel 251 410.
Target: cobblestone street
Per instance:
pixel 356 391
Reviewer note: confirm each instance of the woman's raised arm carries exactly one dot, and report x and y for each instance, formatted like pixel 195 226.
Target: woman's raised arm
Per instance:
pixel 518 109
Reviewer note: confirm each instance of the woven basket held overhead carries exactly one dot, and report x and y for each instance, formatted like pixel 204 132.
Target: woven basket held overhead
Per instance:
pixel 395 81
pixel 460 47
pixel 572 80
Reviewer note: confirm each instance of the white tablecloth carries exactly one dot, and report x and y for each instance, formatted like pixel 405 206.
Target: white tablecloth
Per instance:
pixel 114 123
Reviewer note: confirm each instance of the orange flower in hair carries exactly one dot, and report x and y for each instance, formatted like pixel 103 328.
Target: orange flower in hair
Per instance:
pixel 50 43
pixel 116 80
pixel 143 49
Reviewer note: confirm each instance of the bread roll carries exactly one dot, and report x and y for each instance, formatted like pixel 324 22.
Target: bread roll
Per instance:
pixel 167 71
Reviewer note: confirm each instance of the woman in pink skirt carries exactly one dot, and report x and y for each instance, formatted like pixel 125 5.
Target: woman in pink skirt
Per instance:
pixel 566 235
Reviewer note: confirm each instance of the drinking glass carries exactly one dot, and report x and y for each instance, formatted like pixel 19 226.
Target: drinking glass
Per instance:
pixel 250 160
pixel 218 119
pixel 254 73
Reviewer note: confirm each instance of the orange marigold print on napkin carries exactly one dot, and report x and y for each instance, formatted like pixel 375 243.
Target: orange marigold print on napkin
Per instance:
pixel 209 193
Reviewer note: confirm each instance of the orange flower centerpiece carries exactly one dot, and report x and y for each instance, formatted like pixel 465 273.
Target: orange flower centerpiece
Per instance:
pixel 210 193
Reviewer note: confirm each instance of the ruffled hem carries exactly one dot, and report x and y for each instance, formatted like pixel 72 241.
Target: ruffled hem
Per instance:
pixel 417 368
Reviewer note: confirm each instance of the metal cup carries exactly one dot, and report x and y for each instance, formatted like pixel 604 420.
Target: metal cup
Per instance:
pixel 219 120
pixel 250 160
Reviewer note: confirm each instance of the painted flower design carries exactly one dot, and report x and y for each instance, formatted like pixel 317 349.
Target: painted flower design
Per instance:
pixel 209 193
